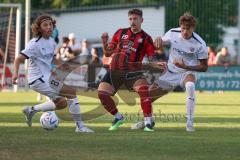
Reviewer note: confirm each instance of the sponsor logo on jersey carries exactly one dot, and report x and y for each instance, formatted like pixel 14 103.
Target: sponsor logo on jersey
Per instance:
pixel 140 40
pixel 130 47
pixel 180 51
pixel 183 53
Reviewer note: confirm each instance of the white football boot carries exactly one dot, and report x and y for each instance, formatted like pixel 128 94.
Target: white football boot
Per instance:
pixel 29 113
pixel 83 129
pixel 189 126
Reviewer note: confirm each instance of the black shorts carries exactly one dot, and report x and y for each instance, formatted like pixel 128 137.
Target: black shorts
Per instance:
pixel 117 79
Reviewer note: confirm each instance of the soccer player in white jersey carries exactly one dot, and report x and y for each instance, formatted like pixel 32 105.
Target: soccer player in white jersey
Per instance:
pixel 40 52
pixel 188 54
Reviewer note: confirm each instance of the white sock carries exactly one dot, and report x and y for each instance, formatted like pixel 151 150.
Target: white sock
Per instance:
pixel 118 115
pixel 46 106
pixel 74 109
pixel 147 120
pixel 190 101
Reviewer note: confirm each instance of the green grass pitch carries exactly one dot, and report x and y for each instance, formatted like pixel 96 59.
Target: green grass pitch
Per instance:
pixel 217 133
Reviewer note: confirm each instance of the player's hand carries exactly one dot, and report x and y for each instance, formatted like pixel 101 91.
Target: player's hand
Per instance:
pixel 180 64
pixel 162 65
pixel 158 43
pixel 158 66
pixel 104 37
pixel 14 79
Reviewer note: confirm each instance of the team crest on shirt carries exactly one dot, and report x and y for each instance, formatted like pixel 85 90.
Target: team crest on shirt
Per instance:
pixel 124 36
pixel 140 40
pixel 192 49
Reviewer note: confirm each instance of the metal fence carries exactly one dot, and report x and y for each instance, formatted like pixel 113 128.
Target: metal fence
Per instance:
pixel 217 20
pixel 214 17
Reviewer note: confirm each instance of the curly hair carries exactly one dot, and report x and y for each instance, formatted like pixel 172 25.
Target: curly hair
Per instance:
pixel 37 23
pixel 188 19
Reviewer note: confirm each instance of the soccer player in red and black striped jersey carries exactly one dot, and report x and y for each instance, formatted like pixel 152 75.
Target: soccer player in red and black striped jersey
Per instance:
pixel 127 49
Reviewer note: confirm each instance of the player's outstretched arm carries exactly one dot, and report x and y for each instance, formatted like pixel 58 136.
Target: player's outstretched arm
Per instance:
pixel 160 43
pixel 108 48
pixel 20 59
pixel 156 65
pixel 202 67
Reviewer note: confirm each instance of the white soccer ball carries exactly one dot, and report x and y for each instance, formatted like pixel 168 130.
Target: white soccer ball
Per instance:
pixel 49 120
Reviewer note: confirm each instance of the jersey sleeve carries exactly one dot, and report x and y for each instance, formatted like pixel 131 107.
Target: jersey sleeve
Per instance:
pixel 149 47
pixel 30 50
pixel 114 40
pixel 202 52
pixel 167 37
pixel 115 37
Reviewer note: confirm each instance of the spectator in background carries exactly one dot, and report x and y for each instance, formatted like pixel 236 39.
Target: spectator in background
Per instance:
pixel 85 47
pixel 74 45
pixel 223 58
pixel 211 56
pixel 95 56
pixel 1 51
pixel 64 52
pixel 1 55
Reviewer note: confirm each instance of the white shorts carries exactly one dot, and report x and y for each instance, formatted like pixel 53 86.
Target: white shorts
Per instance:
pixel 49 89
pixel 169 80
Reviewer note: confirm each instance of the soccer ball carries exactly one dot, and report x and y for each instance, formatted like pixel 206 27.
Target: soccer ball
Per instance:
pixel 49 120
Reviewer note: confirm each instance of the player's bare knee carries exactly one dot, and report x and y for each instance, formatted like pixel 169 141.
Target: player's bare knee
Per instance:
pixel 190 78
pixel 139 84
pixel 60 103
pixel 68 92
pixel 106 88
pixel 71 94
